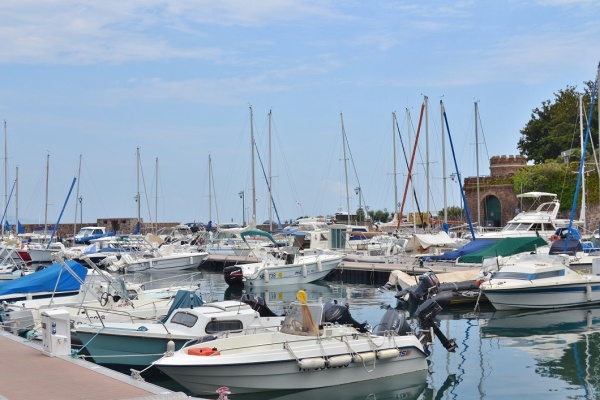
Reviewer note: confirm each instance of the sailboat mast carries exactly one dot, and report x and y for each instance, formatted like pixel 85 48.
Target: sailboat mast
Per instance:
pixel 5 174
pixel 138 198
pixel 252 160
pixel 345 167
pixel 395 171
pixel 209 188
pixel 444 179
pixel 426 101
pixel 46 208
pixel 17 201
pixel 77 197
pixel 410 167
pixel 270 177
pixel 156 199
pixel 477 166
pixel 582 217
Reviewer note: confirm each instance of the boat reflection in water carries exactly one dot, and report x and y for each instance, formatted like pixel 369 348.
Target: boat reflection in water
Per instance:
pixel 565 344
pixel 279 297
pixel 406 386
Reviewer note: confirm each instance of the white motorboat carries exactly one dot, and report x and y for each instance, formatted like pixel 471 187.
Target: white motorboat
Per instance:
pixel 541 281
pixel 303 354
pixel 282 266
pixel 139 344
pixel 89 295
pixel 145 254
pixel 539 220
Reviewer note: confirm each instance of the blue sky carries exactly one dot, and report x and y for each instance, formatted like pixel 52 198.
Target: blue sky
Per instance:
pixel 176 79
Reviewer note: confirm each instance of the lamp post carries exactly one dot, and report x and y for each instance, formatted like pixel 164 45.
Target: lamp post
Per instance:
pixel 80 210
pixel 358 192
pixel 243 208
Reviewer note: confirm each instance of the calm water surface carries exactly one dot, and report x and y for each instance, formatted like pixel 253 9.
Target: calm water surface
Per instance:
pixel 501 355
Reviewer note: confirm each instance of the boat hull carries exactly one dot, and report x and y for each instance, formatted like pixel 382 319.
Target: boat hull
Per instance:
pixel 556 296
pixel 264 275
pixel 175 262
pixel 276 361
pixel 126 350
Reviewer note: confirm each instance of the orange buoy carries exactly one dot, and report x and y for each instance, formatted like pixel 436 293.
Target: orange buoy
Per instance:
pixel 203 351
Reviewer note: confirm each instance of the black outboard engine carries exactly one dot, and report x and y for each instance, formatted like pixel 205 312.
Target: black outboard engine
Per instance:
pixel 426 315
pixel 428 286
pixel 258 304
pixel 393 321
pixel 336 313
pixel 233 275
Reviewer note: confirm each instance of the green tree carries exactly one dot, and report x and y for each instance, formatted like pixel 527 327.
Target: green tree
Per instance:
pixel 554 127
pixel 455 213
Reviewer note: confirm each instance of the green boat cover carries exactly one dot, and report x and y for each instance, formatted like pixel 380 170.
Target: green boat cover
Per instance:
pixel 257 232
pixel 504 247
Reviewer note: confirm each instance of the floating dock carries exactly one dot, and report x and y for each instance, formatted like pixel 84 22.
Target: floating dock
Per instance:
pixel 28 373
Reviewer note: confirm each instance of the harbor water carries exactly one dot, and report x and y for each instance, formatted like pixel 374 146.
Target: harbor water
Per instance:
pixel 545 354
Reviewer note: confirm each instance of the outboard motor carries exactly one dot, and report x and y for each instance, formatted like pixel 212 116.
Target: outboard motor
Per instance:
pixel 233 275
pixel 393 321
pixel 258 304
pixel 426 314
pixel 428 286
pixel 336 313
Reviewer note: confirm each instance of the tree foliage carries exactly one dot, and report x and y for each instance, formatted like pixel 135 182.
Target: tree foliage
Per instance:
pixel 559 178
pixel 554 127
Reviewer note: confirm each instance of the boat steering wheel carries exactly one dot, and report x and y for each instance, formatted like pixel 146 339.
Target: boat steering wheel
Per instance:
pixel 104 299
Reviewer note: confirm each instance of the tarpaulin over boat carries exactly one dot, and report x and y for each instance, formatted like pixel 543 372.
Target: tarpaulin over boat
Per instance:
pixel 46 280
pixel 468 248
pixel 184 299
pixel 439 239
pixel 504 247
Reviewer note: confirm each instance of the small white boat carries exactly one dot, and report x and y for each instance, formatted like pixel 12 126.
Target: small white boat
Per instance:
pixel 282 266
pixel 306 353
pixel 541 281
pixel 139 344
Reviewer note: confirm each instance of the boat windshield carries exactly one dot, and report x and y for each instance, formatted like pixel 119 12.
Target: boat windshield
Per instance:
pixel 303 319
pixel 524 276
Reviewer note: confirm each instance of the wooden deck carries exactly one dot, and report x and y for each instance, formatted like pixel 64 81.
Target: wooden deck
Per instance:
pixel 27 373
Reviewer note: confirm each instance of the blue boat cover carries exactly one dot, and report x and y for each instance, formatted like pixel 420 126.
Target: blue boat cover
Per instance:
pixel 46 280
pixel 184 299
pixel 468 248
pixel 88 239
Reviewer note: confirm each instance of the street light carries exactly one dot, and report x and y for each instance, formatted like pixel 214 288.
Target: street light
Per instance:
pixel 243 208
pixel 80 210
pixel 358 192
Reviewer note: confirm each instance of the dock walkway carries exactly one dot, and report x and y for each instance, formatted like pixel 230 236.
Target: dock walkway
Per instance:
pixel 27 373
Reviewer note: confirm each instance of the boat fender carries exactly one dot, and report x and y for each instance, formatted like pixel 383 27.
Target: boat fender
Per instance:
pixel 588 291
pixel 311 363
pixel 170 348
pixel 203 351
pixel 319 265
pixel 304 273
pixel 266 275
pixel 339 361
pixel 388 353
pixel 366 357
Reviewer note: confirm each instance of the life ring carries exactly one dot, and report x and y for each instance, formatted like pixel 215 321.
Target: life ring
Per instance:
pixel 554 238
pixel 204 351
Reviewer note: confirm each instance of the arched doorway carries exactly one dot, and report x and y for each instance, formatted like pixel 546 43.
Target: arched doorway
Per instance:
pixel 492 211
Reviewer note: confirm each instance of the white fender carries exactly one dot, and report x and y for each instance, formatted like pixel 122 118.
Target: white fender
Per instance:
pixel 319 265
pixel 304 273
pixel 312 363
pixel 366 357
pixel 266 275
pixel 339 361
pixel 388 353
